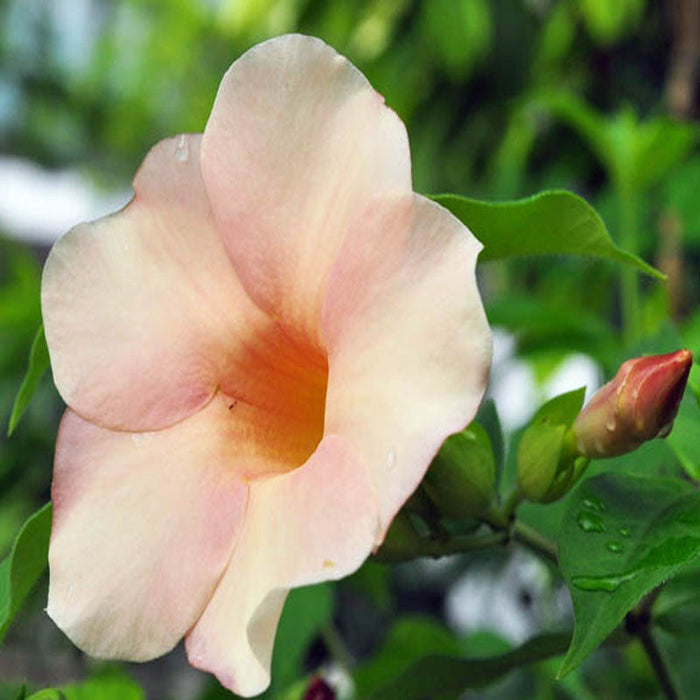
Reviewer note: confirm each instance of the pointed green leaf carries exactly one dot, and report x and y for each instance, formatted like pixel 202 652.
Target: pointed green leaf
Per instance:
pixel 550 223
pixel 38 364
pixel 24 565
pixel 621 536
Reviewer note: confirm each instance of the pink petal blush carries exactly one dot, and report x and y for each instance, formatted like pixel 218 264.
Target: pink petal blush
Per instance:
pixel 261 354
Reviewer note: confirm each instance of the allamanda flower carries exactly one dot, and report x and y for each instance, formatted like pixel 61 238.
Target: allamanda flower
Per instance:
pixel 261 354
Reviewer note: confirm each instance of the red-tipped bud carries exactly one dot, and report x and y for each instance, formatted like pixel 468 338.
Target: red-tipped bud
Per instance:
pixel 639 404
pixel 318 689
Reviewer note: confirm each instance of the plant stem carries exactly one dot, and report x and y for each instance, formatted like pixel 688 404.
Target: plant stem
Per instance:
pixel 628 279
pixel 657 663
pixel 511 504
pixel 533 540
pixel 336 646
pixel 638 624
pixel 460 544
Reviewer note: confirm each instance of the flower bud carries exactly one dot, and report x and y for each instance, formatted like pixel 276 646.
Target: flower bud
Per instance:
pixel 639 404
pixel 461 480
pixel 401 542
pixel 318 689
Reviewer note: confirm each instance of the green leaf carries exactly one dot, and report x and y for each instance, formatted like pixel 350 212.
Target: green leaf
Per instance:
pixel 683 439
pixel 621 536
pixel 636 154
pixel 460 31
pixel 433 676
pixel 38 364
pixel 24 565
pixel 112 686
pixel 550 223
pixel 410 639
pixel 306 612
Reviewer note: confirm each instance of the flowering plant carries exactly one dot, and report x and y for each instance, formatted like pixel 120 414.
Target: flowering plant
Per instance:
pixel 274 360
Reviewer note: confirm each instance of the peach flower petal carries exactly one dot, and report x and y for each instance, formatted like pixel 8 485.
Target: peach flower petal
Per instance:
pixel 313 524
pixel 143 312
pixel 409 345
pixel 143 527
pixel 297 140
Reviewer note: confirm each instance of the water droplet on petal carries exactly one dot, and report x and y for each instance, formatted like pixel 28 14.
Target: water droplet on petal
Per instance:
pixel 141 439
pixel 590 522
pixel 614 547
pixel 391 459
pixel 182 151
pixel 610 424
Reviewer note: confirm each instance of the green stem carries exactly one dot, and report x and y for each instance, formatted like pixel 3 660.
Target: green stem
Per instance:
pixel 657 663
pixel 511 504
pixel 638 623
pixel 629 282
pixel 436 548
pixel 530 538
pixel 336 647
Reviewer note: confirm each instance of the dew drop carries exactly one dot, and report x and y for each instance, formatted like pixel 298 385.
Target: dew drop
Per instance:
pixel 182 151
pixel 610 424
pixel 391 459
pixel 614 547
pixel 590 522
pixel 609 584
pixel 594 504
pixel 625 532
pixel 141 439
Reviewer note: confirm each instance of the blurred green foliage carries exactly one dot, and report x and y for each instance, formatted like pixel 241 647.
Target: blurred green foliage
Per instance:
pixel 501 98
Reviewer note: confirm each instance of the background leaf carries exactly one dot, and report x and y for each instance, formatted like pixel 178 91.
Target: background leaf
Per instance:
pixel 24 565
pixel 549 223
pixel 433 676
pixel 112 686
pixel 38 364
pixel 621 536
pixel 306 612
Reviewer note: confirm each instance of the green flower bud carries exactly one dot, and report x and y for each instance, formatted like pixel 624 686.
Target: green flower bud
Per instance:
pixel 639 404
pixel 462 478
pixel 401 541
pixel 548 462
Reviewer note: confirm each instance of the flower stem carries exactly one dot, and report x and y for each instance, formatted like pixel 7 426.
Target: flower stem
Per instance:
pixel 638 624
pixel 511 504
pixel 628 280
pixel 657 663
pixel 336 647
pixel 530 538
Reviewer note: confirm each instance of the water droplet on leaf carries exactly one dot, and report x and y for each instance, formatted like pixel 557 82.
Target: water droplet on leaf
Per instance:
pixel 594 504
pixel 609 584
pixel 590 522
pixel 614 547
pixel 625 532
